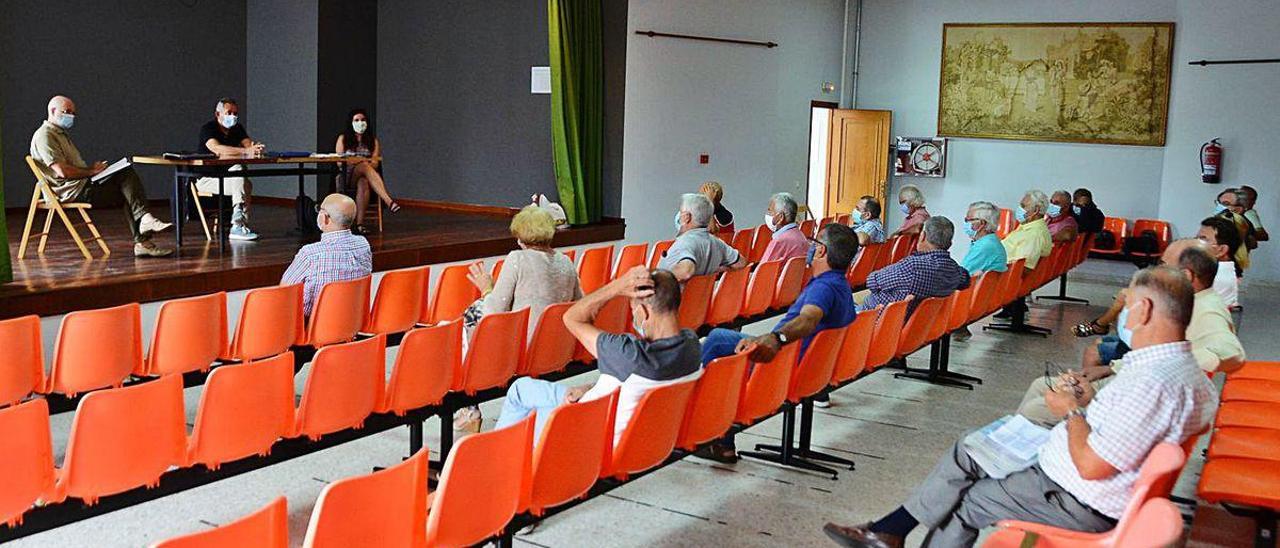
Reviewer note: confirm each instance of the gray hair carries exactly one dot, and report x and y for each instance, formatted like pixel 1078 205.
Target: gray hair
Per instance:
pixel 1039 202
pixel 911 195
pixel 224 101
pixel 784 203
pixel 1170 290
pixel 698 206
pixel 338 217
pixel 939 231
pixel 987 211
pixel 1239 196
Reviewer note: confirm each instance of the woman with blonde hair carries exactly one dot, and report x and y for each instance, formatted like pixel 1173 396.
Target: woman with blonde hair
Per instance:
pixel 722 220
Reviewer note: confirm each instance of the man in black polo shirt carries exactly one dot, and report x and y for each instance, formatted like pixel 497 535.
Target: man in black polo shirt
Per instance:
pixel 1089 218
pixel 225 136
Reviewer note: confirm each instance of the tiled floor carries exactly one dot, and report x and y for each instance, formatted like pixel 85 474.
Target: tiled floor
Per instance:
pixel 894 429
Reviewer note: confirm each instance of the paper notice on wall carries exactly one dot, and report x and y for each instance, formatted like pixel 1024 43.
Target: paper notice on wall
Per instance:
pixel 540 80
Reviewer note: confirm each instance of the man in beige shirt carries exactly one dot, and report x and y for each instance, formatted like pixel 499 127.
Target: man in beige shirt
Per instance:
pixel 69 176
pixel 1211 333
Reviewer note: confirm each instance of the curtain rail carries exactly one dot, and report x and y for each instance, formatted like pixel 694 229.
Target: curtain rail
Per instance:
pixel 1204 62
pixel 652 34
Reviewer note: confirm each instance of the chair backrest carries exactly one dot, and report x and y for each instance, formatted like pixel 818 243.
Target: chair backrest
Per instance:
pixel 340 311
pixel 695 299
pixel 809 227
pixel 651 433
pixel 760 291
pixel 398 304
pixel 265 528
pixel 728 299
pixel 570 453
pixel 884 341
pixel 270 322
pixel 496 352
pixel 243 410
pixel 344 387
pixel 1006 224
pixel 630 257
pixel 596 268
pixel 714 401
pixel 918 326
pixel 1012 283
pixel 790 283
pixel 424 368
pixel 454 293
pixel 960 307
pixel 1164 233
pixel 1158 523
pixel 190 335
pixel 900 247
pixel 987 294
pixel 862 266
pixel 96 349
pixel 387 508
pixel 938 327
pixel 817 365
pixel 1155 480
pixel 842 219
pixel 42 182
pixel 1118 227
pixel 659 251
pixel 852 359
pixel 766 387
pixel 481 486
pixel 760 243
pixel 22 367
pixel 742 241
pixel 552 345
pixel 124 438
pixel 27 459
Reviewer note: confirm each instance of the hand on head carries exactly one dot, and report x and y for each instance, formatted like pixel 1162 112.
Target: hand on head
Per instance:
pixel 637 283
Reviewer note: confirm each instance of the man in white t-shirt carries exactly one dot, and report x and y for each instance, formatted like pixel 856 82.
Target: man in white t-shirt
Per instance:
pixel 662 354
pixel 1223 241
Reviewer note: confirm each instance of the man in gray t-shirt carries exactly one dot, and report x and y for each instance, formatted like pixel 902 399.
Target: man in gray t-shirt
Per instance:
pixel 696 251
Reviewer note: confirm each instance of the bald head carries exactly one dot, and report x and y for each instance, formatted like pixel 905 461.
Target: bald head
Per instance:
pixel 60 107
pixel 337 212
pixel 1195 258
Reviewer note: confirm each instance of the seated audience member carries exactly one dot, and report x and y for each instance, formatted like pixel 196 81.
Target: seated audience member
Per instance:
pixel 866 221
pixel 662 354
pixel 60 162
pixel 928 272
pixel 1086 471
pixel 825 303
pixel 1211 333
pixel 1031 240
pixel 788 241
pixel 1250 196
pixel 1062 225
pixel 1223 240
pixel 358 138
pixel 911 203
pixel 723 218
pixel 1089 219
pixel 1228 206
pixel 339 255
pixel 986 254
pixel 696 252
pixel 226 137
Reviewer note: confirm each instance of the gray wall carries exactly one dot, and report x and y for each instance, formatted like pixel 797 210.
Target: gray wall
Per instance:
pixel 280 107
pixel 144 75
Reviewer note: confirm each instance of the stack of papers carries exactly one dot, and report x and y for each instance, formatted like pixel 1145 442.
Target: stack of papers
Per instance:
pixel 111 170
pixel 1008 445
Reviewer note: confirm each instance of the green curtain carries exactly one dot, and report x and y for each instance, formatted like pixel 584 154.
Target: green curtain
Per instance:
pixel 577 105
pixel 6 270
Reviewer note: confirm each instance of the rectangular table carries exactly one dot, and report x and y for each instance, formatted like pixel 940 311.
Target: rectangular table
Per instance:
pixel 185 170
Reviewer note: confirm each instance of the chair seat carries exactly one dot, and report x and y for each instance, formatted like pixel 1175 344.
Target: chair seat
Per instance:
pixel 1248 413
pixel 1242 481
pixel 1249 443
pixel 1257 390
pixel 66 205
pixel 1269 371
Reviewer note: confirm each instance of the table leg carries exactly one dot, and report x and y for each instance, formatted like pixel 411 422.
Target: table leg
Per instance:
pixel 177 209
pixel 299 201
pixel 222 240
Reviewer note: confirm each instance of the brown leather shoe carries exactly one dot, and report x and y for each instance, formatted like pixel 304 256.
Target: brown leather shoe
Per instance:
pixel 860 537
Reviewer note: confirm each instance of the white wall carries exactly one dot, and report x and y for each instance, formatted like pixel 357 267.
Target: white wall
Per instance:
pixel 748 107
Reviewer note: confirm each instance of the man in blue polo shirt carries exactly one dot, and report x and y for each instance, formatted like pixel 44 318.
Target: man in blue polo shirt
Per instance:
pixel 825 303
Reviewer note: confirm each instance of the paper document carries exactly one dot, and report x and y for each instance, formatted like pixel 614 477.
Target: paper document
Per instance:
pixel 1010 444
pixel 111 170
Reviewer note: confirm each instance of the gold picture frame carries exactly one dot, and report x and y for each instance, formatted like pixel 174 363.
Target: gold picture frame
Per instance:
pixel 1104 83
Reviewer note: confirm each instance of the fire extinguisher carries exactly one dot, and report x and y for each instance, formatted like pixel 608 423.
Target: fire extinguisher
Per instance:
pixel 1211 162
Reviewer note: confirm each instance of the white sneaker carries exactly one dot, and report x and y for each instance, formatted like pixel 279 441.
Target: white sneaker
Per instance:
pixel 243 233
pixel 150 224
pixel 148 249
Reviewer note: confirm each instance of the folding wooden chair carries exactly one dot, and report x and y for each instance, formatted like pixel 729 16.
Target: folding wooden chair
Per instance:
pixel 43 197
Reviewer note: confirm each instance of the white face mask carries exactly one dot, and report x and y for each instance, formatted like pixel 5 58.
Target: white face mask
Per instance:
pixel 768 222
pixel 65 120
pixel 229 120
pixel 360 126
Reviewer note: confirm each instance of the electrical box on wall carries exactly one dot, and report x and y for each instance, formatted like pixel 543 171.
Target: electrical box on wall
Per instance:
pixel 704 158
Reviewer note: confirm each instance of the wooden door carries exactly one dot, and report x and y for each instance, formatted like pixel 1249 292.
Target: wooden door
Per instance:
pixel 857 158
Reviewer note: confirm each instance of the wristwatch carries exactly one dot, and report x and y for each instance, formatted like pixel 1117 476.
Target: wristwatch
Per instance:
pixel 1077 412
pixel 782 337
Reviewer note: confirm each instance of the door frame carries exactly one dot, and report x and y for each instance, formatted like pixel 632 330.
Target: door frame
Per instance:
pixel 809 159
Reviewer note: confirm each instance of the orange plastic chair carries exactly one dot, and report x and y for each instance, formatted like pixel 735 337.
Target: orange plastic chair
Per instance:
pixel 1012 283
pixel 1243 442
pixel 571 452
pixel 742 242
pixel 1255 414
pixel 790 283
pixel 901 247
pixel 714 401
pixel 884 340
pixel 852 360
pixel 959 311
pixel 243 410
pixel 842 219
pixel 885 258
pixel 596 268
pixel 124 438
pixel 485 480
pixel 22 368
pixel 760 243
pixel 398 304
pixel 1157 523
pixel 650 434
pixel 728 298
pixel 454 293
pixel 1251 390
pixel 424 368
pixel 695 300
pixel 190 335
pixel 915 332
pixel 1006 224
pixel 497 350
pixel 26 457
pixel 1119 228
pixel 387 508
pixel 614 317
pixel 497 268
pixel 552 346
pixel 570 253
pixel 96 349
pixel 809 228
pixel 1251 482
pixel 340 311
pixel 344 387
pixel 1164 234
pixel 760 291
pixel 659 251
pixel 266 528
pixel 984 291
pixel 270 322
pixel 1254 369
pixel 862 266
pixel 766 388
pixel 630 257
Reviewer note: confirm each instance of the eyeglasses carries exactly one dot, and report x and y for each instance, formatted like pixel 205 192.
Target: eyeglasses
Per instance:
pixel 320 208
pixel 1053 373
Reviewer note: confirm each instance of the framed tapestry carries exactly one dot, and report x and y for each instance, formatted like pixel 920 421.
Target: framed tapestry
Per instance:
pixel 1076 82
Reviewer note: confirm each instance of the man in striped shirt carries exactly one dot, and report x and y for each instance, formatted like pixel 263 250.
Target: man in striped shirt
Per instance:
pixel 339 255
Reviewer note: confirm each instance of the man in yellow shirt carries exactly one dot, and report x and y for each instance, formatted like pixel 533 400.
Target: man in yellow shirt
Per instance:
pixel 1031 240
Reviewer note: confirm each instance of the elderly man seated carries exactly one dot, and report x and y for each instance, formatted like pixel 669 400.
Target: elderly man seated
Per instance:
pixel 911 203
pixel 866 221
pixel 788 241
pixel 339 255
pixel 1085 472
pixel 696 251
pixel 1062 224
pixel 985 252
pixel 928 272
pixel 1030 241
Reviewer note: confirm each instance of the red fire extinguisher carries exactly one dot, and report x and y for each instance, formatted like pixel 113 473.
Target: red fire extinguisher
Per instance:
pixel 1211 162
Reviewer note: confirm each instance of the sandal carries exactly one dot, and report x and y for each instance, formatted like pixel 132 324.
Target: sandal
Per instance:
pixel 1090 328
pixel 467 420
pixel 393 207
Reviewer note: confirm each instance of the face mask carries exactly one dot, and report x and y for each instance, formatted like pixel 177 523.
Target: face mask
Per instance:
pixel 768 222
pixel 360 126
pixel 1125 334
pixel 1076 209
pixel 65 121
pixel 1219 208
pixel 679 225
pixel 638 326
pixel 1055 210
pixel 1020 215
pixel 904 208
pixel 808 258
pixel 229 121
pixel 970 231
pixel 859 221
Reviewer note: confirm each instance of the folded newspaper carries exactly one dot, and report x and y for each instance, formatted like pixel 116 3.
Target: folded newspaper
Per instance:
pixel 1009 444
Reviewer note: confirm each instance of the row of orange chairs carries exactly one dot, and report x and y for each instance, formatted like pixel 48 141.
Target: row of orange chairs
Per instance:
pixel 1121 231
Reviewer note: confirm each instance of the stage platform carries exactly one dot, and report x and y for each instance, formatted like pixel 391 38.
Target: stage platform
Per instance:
pixel 420 233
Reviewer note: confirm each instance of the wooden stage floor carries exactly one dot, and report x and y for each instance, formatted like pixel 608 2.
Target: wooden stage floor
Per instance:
pixel 422 233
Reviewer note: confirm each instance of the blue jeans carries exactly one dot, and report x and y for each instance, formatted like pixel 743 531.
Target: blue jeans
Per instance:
pixel 1111 348
pixel 719 343
pixel 527 395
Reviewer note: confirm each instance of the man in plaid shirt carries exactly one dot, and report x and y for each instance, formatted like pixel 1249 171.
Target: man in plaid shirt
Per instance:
pixel 929 272
pixel 1088 467
pixel 339 255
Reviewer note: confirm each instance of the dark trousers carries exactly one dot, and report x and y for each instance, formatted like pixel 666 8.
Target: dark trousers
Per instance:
pixel 124 189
